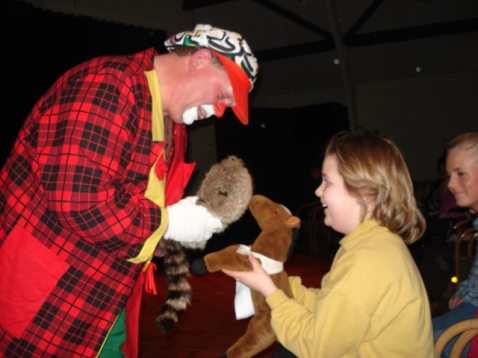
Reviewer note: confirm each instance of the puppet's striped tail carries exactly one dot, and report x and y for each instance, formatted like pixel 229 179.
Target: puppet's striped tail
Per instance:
pixel 179 289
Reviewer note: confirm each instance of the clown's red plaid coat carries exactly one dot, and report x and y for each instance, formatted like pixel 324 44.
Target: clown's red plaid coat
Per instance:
pixel 72 209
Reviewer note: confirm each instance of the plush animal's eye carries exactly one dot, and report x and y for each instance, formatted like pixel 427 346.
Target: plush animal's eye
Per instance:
pixel 223 193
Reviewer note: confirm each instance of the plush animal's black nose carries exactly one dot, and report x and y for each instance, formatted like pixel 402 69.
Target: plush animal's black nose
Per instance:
pixel 199 267
pixel 223 193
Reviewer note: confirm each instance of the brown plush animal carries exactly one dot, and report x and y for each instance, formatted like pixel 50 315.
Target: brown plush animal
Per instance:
pixel 276 224
pixel 225 191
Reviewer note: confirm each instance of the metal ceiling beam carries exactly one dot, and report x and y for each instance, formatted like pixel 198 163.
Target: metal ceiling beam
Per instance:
pixel 372 38
pixel 196 4
pixel 345 69
pixel 302 49
pixel 413 33
pixel 363 19
pixel 294 18
pixel 351 38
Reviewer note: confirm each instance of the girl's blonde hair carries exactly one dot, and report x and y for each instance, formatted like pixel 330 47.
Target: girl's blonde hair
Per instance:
pixel 373 167
pixel 466 141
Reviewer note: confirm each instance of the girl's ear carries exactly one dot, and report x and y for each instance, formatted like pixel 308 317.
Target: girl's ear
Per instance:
pixel 369 200
pixel 199 58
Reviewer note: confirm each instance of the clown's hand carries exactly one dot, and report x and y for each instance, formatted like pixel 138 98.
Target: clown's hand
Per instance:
pixel 189 222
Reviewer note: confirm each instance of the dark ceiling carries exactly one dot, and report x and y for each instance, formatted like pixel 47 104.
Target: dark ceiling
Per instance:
pixel 309 49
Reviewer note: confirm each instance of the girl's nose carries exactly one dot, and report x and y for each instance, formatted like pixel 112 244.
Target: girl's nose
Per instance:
pixel 318 191
pixel 451 183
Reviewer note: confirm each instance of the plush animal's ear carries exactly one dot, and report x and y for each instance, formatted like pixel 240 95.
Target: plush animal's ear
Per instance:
pixel 292 222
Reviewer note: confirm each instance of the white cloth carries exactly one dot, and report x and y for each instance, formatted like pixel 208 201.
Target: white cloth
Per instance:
pixel 189 222
pixel 243 305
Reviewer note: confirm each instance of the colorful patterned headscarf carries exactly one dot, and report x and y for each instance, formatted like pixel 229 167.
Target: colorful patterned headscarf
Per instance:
pixel 227 43
pixel 236 57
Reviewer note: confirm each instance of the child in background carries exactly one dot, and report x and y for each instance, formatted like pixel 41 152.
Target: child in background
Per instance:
pixel 373 302
pixel 462 169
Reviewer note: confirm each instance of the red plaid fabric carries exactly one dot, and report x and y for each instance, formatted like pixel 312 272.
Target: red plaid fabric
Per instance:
pixel 72 209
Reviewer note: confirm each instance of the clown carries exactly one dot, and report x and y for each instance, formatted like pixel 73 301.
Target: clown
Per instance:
pixel 95 180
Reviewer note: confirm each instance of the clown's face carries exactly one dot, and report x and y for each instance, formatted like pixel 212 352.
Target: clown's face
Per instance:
pixel 206 91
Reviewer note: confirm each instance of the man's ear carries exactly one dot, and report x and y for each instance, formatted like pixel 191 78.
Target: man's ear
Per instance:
pixel 199 58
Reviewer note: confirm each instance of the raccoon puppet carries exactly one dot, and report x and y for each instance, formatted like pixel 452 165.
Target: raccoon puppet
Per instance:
pixel 226 192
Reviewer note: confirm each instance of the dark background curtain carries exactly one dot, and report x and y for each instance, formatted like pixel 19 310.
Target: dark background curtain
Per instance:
pixel 38 46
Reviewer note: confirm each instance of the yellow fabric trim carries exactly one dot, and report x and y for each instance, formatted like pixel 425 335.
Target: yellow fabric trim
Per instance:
pixel 158 120
pixel 156 188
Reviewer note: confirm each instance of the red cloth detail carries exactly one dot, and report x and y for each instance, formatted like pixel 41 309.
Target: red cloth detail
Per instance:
pixel 180 172
pixel 149 284
pixel 179 178
pixel 161 167
pixel 28 273
pixel 131 345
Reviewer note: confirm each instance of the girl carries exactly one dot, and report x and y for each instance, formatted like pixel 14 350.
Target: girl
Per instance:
pixel 462 169
pixel 372 303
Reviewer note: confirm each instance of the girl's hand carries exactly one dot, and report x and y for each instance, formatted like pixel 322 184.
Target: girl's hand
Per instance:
pixel 455 302
pixel 257 279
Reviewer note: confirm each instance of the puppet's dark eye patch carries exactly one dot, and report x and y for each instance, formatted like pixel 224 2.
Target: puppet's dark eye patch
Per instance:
pixel 224 193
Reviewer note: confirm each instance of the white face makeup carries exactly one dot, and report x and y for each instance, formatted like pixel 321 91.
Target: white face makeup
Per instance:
pixel 199 112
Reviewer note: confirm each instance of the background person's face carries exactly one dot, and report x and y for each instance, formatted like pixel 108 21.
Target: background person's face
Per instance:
pixel 462 168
